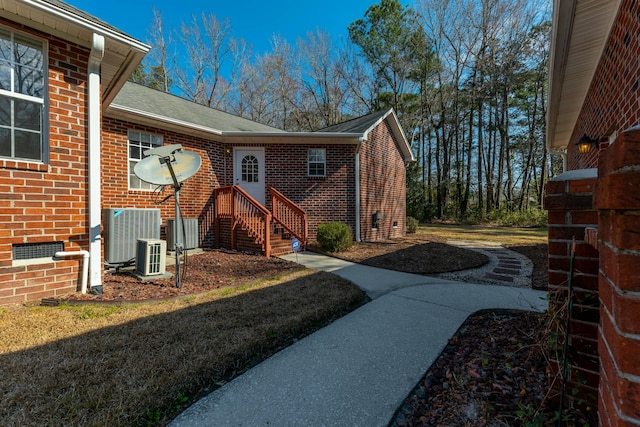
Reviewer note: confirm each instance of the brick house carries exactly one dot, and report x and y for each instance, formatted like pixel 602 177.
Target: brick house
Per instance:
pixel 74 128
pixel 595 98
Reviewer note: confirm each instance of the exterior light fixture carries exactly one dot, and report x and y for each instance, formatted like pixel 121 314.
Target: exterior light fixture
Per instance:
pixel 227 151
pixel 585 144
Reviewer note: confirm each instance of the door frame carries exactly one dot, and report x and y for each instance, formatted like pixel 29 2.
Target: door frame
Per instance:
pixel 237 158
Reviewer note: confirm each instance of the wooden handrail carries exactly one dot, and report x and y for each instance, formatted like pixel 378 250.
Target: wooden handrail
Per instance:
pixel 236 204
pixel 289 215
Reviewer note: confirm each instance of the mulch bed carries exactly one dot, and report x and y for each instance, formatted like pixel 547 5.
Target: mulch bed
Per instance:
pixel 212 269
pixel 415 253
pixel 491 373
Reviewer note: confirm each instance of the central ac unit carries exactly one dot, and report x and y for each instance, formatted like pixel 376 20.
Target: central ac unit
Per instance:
pixel 151 257
pixel 123 227
pixel 190 232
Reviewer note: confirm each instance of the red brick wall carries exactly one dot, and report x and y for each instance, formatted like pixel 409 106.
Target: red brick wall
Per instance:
pixel 40 202
pixel 618 199
pixel 382 186
pixel 612 106
pixel 196 199
pixel 613 101
pixel 570 211
pixel 329 198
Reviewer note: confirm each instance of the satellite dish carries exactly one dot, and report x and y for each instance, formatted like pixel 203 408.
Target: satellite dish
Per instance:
pixel 155 168
pixel 169 165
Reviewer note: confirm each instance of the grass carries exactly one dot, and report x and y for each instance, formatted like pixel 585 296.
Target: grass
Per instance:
pixel 505 235
pixel 141 364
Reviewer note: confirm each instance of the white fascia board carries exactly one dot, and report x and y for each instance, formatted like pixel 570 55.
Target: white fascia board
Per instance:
pixel 398 133
pixel 325 138
pixel 126 113
pixel 93 27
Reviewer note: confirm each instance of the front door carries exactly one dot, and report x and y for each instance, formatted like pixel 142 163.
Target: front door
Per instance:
pixel 248 171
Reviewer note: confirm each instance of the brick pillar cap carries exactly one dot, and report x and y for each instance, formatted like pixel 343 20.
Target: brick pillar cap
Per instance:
pixel 577 174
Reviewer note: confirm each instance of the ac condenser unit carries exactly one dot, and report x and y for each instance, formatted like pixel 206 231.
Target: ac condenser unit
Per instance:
pixel 190 232
pixel 151 257
pixel 123 227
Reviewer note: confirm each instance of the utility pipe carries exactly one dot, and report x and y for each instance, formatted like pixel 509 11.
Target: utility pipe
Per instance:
pixel 357 189
pixel 94 100
pixel 85 265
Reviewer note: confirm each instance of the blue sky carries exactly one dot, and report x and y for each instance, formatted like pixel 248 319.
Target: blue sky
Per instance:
pixel 256 21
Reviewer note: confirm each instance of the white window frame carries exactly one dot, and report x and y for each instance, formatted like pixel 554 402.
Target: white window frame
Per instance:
pixel 313 159
pixel 136 142
pixel 14 96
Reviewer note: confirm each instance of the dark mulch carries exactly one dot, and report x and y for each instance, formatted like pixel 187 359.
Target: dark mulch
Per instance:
pixel 415 253
pixel 212 269
pixel 491 373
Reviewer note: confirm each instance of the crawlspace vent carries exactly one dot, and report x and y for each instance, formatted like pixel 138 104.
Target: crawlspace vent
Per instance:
pixel 36 250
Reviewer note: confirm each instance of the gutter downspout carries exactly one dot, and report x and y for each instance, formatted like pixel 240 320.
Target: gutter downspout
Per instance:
pixel 94 112
pixel 561 153
pixel 357 167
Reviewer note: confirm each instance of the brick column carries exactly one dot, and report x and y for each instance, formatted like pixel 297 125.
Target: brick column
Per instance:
pixel 569 202
pixel 617 197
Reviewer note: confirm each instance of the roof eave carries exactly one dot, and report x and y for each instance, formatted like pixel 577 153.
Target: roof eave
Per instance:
pixel 153 120
pixel 398 133
pixel 321 138
pixel 239 137
pixel 579 36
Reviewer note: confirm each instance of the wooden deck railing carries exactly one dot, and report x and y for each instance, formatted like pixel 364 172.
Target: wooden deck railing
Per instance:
pixel 289 215
pixel 237 205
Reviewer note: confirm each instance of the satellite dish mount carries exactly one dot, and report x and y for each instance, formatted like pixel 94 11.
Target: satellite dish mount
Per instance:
pixel 170 165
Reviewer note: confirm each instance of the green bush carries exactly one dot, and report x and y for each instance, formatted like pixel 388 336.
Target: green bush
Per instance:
pixel 412 225
pixel 334 236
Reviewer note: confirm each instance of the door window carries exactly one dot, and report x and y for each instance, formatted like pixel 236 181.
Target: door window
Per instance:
pixel 250 169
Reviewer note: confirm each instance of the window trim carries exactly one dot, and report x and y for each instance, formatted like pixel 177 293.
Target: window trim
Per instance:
pixel 323 163
pixel 129 159
pixel 45 143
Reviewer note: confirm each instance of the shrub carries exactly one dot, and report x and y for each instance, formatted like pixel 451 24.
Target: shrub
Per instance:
pixel 412 225
pixel 334 236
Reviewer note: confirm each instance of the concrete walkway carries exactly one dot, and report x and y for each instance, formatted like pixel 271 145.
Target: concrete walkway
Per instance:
pixel 358 370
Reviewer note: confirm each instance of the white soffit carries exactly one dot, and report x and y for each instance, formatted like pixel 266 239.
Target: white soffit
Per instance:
pixel 580 33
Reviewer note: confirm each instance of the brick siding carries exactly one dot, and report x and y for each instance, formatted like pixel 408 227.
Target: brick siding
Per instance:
pixel 611 107
pixel 382 186
pixel 570 212
pixel 618 201
pixel 42 203
pixel 196 194
pixel 325 199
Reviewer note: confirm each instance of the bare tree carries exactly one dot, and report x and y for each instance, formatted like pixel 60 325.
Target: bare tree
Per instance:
pixel 207 45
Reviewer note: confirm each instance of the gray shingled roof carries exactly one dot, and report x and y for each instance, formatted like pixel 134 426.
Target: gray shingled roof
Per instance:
pixel 171 107
pixel 357 125
pixel 81 13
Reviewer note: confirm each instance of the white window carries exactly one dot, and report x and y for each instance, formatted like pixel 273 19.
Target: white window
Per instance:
pixel 139 142
pixel 22 97
pixel 316 162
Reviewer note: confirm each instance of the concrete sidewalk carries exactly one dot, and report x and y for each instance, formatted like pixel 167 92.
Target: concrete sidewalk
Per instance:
pixel 358 370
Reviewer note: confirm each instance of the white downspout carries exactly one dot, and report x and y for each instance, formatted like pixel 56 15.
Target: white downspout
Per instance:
pixel 94 101
pixel 357 167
